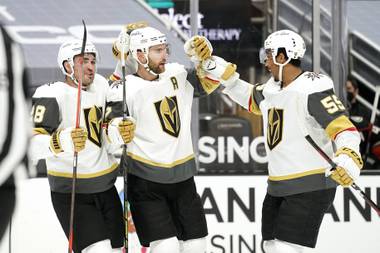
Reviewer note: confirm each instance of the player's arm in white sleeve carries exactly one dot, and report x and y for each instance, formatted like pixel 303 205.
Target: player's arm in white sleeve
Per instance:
pixel 131 68
pixel 46 119
pixel 331 114
pixel 245 94
pixel 121 43
pixel 213 71
pixel 118 131
pixel 48 139
pixel 198 48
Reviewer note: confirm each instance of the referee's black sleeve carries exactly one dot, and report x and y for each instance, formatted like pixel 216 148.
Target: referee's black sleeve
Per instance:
pixel 14 113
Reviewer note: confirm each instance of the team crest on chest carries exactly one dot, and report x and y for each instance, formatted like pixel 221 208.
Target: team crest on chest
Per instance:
pixel 93 118
pixel 168 113
pixel 275 127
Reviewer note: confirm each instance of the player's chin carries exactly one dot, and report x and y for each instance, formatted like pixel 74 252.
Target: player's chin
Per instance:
pixel 274 76
pixel 88 81
pixel 161 68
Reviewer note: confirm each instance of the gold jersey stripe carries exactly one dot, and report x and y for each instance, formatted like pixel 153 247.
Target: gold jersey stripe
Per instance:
pixel 253 107
pixel 39 130
pixel 113 77
pixel 229 71
pixel 163 165
pixel 90 175
pixel 338 125
pixel 297 175
pixel 208 84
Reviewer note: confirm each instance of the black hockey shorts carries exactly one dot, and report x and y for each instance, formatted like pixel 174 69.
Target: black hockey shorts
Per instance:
pixel 161 211
pixel 97 217
pixel 7 200
pixel 295 218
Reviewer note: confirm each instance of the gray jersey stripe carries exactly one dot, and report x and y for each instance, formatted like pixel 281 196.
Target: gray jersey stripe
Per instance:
pixel 175 174
pixel 87 185
pixel 257 94
pixel 299 185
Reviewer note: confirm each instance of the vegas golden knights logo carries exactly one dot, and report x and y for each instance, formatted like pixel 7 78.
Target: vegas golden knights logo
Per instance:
pixel 275 126
pixel 93 118
pixel 168 113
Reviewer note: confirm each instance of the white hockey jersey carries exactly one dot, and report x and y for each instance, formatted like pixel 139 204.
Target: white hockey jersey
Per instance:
pixel 54 107
pixel 161 150
pixel 307 106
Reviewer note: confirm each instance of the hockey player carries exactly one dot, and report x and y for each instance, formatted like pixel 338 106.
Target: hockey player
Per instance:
pixel 295 103
pixel 166 209
pixel 15 127
pixel 98 215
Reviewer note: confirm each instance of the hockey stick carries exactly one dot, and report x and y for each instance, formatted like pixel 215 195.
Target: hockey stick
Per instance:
pixel 329 160
pixel 123 160
pixel 334 165
pixel 75 160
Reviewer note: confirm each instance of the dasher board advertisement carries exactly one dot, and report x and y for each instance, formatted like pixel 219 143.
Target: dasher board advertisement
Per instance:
pixel 233 211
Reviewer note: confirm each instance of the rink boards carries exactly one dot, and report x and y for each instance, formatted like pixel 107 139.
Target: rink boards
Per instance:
pixel 233 210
